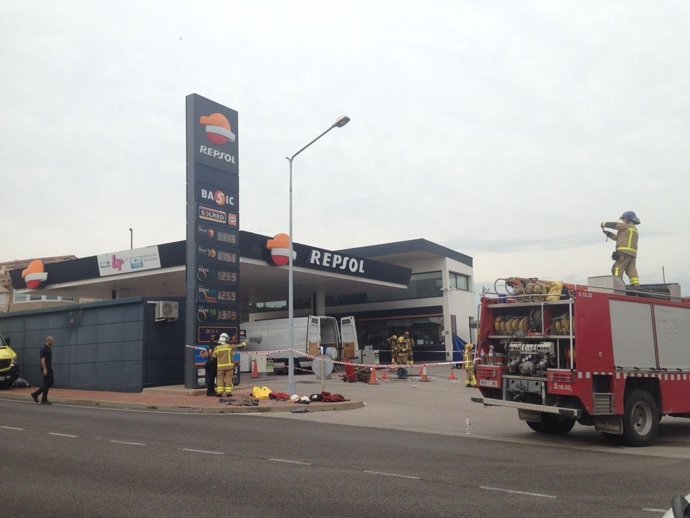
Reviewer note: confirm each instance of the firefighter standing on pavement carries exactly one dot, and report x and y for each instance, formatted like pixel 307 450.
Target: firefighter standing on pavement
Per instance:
pixel 626 237
pixel 223 353
pixel 409 345
pixel 210 366
pixel 393 344
pixel 468 365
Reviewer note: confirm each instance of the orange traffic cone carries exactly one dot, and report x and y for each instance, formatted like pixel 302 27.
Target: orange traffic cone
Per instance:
pixel 372 377
pixel 385 375
pixel 424 377
pixel 452 376
pixel 255 369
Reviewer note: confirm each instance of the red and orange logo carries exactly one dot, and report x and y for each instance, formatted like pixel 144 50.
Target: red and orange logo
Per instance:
pixel 218 128
pixel 280 249
pixel 35 274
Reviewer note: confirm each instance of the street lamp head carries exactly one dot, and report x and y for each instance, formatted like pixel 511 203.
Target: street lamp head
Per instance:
pixel 342 120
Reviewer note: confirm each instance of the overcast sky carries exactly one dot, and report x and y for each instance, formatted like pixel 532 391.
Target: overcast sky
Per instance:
pixel 504 130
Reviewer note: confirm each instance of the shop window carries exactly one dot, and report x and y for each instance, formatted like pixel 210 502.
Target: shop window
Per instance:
pixel 459 281
pixel 423 285
pixel 424 331
pixel 39 297
pixel 278 305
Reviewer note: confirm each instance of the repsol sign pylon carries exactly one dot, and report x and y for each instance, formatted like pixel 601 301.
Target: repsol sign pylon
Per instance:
pixel 213 248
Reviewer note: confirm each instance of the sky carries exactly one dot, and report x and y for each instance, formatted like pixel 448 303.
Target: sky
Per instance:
pixel 507 131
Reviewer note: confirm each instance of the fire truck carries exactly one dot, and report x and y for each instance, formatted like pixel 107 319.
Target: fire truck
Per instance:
pixel 601 354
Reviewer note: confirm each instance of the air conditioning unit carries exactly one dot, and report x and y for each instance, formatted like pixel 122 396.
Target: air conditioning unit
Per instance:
pixel 167 310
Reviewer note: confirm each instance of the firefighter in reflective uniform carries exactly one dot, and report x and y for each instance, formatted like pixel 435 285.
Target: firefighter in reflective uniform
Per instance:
pixel 625 237
pixel 393 344
pixel 408 344
pixel 223 353
pixel 404 350
pixel 468 365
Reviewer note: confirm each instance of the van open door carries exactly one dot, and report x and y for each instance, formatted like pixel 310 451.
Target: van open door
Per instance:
pixel 314 336
pixel 348 336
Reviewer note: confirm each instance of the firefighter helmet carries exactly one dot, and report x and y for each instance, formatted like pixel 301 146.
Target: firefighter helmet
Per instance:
pixel 469 347
pixel 631 216
pixel 223 338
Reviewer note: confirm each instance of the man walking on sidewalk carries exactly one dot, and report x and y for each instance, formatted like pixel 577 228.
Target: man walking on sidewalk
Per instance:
pixel 47 371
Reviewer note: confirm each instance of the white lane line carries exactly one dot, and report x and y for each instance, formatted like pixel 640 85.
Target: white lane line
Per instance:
pixel 63 435
pixel 204 451
pixel 11 428
pixel 515 492
pixel 128 443
pixel 398 475
pixel 288 461
pixel 652 510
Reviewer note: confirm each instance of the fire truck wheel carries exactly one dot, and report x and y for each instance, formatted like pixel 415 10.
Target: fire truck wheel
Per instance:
pixel 641 418
pixel 552 424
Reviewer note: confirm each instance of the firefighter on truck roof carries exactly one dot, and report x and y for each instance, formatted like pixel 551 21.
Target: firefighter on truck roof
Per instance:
pixel 625 237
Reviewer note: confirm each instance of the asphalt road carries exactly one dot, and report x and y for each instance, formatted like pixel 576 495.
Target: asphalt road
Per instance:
pixel 71 461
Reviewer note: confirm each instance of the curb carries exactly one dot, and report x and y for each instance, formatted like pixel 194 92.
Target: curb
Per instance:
pixel 221 409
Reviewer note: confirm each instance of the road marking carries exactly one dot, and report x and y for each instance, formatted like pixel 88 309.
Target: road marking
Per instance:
pixel 11 428
pixel 204 451
pixel 128 443
pixel 652 510
pixel 288 461
pixel 398 475
pixel 63 435
pixel 515 492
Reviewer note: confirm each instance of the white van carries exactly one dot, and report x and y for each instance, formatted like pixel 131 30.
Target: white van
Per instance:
pixel 313 335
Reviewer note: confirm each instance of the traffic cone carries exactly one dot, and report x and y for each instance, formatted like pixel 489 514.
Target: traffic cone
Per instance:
pixel 424 377
pixel 255 369
pixel 452 376
pixel 385 375
pixel 372 377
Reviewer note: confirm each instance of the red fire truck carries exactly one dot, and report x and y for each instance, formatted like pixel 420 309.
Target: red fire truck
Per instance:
pixel 601 354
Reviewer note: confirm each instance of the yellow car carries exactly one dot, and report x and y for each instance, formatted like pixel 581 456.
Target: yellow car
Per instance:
pixel 9 369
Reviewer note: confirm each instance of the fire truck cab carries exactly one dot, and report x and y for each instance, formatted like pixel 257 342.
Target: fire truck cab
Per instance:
pixel 600 354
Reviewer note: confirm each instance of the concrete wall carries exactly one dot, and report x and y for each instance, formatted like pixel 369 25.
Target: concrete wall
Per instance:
pixel 112 345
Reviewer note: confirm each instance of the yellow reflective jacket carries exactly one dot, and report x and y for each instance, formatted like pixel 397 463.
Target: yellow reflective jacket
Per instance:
pixel 625 237
pixel 223 353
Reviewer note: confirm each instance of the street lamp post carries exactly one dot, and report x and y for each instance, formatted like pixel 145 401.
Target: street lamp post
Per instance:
pixel 292 387
pixel 131 239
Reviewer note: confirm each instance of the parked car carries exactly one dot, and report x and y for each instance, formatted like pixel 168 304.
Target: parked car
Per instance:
pixel 9 369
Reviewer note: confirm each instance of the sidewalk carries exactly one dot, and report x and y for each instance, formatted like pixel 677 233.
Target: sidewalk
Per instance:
pixel 177 398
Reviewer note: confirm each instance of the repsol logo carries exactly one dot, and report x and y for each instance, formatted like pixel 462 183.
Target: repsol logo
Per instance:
pixel 336 261
pixel 220 155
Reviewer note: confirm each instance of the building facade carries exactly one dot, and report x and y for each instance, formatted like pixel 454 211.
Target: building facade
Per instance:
pixel 415 286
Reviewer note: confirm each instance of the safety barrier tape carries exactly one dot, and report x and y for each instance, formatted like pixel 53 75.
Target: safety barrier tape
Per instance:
pixel 345 363
pixel 367 365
